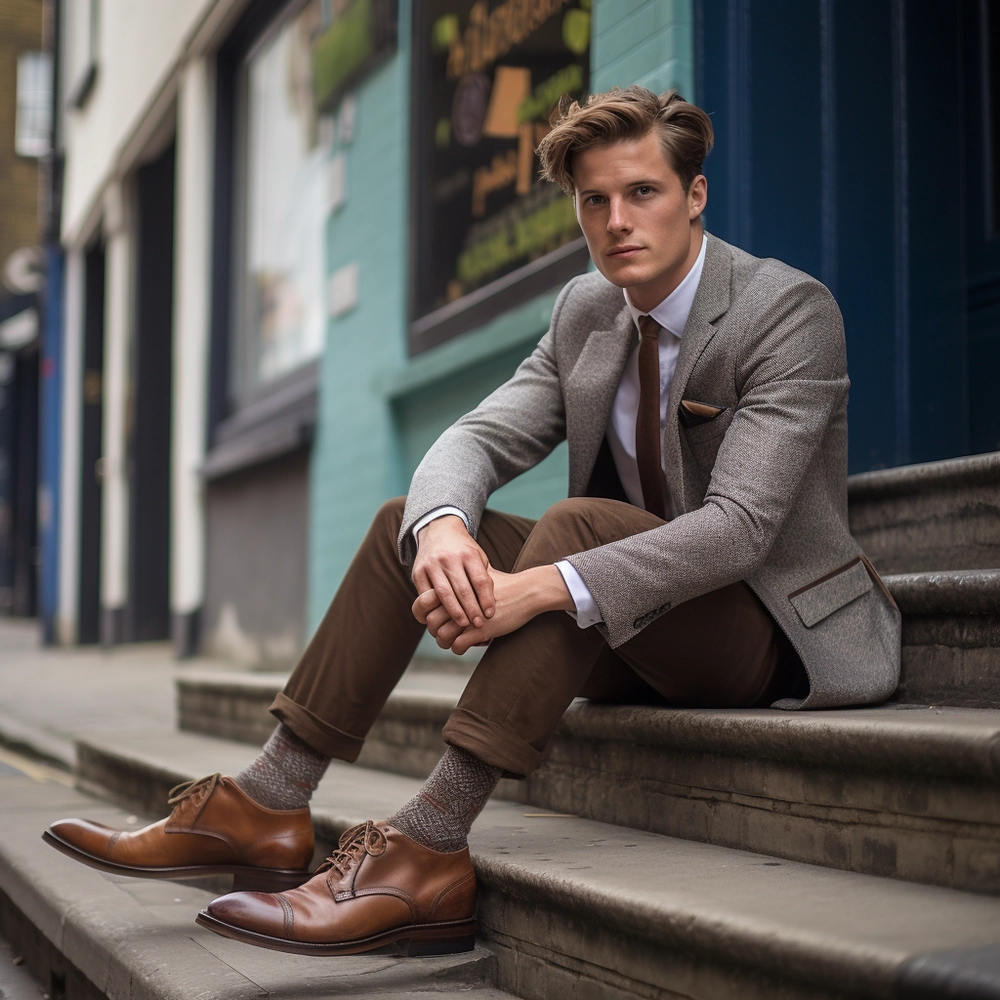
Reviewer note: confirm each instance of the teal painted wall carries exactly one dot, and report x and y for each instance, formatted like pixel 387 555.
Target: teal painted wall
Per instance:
pixel 649 42
pixel 355 442
pixel 379 410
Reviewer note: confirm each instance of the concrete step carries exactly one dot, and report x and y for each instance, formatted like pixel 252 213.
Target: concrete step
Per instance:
pixel 904 791
pixel 951 637
pixel 951 656
pixel 576 908
pixel 86 935
pixel 934 516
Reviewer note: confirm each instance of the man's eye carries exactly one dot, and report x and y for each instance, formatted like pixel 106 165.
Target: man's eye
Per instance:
pixel 643 189
pixel 595 199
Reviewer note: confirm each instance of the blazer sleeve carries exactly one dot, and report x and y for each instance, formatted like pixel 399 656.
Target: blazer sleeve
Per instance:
pixel 511 431
pixel 791 378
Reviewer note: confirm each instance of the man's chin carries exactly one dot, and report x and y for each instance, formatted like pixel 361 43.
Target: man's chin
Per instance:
pixel 625 276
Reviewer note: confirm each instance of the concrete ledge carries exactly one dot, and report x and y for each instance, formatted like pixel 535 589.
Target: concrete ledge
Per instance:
pixel 951 637
pixel 963 744
pixel 579 908
pixel 953 592
pixel 949 474
pixel 936 516
pixel 956 742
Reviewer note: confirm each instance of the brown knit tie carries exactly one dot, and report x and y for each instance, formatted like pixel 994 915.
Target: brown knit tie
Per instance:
pixel 647 420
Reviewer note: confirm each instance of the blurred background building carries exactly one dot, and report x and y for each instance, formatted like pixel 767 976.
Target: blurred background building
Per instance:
pixel 25 106
pixel 297 239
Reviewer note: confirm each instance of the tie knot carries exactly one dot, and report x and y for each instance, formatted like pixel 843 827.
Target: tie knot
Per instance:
pixel 648 327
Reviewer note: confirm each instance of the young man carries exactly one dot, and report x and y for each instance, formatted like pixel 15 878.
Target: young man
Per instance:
pixel 703 557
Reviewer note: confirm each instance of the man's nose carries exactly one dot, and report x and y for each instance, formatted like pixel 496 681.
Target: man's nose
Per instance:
pixel 618 220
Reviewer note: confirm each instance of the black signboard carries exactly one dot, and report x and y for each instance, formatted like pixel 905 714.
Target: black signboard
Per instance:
pixel 488 232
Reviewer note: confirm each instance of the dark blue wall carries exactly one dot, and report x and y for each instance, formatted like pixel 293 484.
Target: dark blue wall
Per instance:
pixel 844 147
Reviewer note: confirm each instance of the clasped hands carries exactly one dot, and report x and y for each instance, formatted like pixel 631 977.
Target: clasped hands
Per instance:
pixel 464 601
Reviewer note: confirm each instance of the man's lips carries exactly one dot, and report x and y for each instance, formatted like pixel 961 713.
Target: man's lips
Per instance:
pixel 626 250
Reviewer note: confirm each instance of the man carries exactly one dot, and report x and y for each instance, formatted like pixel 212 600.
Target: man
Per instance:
pixel 704 554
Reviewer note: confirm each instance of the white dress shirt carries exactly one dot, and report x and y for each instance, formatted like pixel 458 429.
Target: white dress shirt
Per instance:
pixel 672 315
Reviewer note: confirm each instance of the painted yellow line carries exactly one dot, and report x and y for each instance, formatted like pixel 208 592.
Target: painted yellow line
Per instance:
pixel 38 772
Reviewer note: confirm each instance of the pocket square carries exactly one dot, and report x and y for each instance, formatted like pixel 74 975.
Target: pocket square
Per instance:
pixel 692 413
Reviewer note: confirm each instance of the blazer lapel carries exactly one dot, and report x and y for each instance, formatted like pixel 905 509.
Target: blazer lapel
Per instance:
pixel 711 301
pixel 590 392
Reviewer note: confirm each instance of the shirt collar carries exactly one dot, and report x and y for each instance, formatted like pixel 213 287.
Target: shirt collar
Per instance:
pixel 672 313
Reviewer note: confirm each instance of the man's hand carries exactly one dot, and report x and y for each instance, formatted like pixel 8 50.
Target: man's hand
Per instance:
pixel 452 568
pixel 519 598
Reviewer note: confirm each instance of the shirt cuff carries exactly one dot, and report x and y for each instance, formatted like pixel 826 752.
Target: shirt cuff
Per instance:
pixel 434 515
pixel 587 612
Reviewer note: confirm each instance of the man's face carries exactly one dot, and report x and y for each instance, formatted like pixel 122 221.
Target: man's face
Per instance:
pixel 642 228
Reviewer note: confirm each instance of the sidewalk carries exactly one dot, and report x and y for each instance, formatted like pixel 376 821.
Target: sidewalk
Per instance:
pixel 50 696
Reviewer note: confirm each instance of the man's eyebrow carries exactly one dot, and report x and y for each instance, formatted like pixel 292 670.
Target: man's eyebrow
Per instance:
pixel 629 184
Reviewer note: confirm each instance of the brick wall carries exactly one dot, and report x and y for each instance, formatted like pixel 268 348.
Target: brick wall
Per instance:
pixel 20 31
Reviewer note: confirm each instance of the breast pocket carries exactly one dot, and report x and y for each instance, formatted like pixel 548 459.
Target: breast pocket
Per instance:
pixel 703 426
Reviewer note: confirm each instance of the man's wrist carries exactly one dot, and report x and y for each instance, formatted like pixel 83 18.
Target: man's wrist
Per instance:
pixel 548 589
pixel 444 522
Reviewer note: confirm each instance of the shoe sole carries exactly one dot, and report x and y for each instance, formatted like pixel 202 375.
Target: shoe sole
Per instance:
pixel 244 877
pixel 447 938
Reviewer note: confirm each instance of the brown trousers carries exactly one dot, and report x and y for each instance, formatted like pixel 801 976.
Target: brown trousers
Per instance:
pixel 720 650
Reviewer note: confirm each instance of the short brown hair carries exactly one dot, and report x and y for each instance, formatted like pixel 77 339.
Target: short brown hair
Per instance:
pixel 685 130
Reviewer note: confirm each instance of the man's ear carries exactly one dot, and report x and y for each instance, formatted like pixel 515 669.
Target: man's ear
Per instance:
pixel 697 197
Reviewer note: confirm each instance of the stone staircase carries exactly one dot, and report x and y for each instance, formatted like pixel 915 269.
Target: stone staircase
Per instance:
pixel 665 853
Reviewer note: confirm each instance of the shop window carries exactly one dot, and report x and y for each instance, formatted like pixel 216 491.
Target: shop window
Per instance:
pixel 293 77
pixel 282 73
pixel 33 127
pixel 281 318
pixel 488 232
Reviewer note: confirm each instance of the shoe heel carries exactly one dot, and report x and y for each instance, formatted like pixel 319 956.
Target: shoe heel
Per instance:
pixel 418 947
pixel 265 881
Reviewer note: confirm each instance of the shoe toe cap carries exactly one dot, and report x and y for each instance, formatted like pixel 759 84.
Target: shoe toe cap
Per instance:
pixel 261 912
pixel 85 835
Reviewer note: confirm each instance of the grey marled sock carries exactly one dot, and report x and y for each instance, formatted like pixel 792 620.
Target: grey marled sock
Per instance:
pixel 442 812
pixel 285 773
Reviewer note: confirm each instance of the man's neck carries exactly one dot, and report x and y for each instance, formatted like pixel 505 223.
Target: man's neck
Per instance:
pixel 648 296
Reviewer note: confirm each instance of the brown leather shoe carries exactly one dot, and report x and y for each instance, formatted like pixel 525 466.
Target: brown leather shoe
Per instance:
pixel 380 891
pixel 215 829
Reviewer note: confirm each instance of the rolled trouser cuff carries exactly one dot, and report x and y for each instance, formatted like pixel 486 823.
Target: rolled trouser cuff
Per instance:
pixel 491 742
pixel 320 735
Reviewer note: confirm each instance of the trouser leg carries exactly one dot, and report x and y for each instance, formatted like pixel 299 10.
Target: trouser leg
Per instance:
pixel 720 649
pixel 369 635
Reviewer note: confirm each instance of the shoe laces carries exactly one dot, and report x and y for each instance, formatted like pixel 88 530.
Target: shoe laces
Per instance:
pixel 365 837
pixel 197 791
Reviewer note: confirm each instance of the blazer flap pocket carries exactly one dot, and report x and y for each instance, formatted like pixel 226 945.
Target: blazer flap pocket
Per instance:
pixel 692 413
pixel 829 593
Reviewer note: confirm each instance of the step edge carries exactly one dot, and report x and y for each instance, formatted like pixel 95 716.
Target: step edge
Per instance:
pixel 946 592
pixel 910 741
pixel 925 477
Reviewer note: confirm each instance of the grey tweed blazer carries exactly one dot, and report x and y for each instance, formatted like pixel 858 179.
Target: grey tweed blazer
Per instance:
pixel 758 492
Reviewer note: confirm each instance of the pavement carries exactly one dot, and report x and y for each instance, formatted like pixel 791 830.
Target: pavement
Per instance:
pixel 49 695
